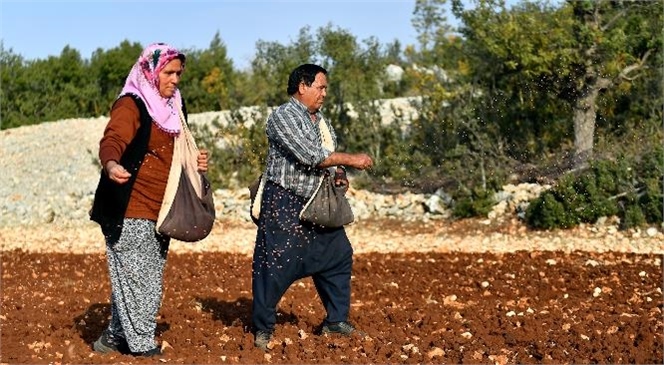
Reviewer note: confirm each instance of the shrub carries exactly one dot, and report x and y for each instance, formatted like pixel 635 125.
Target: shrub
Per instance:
pixel 607 188
pixel 237 150
pixel 632 217
pixel 652 205
pixel 475 203
pixel 576 199
pixel 592 196
pixel 651 200
pixel 546 212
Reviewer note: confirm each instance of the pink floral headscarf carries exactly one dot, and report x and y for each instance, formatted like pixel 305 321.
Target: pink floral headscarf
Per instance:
pixel 143 81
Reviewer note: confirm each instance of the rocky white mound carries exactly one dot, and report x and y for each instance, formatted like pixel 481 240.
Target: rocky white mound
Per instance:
pixel 49 175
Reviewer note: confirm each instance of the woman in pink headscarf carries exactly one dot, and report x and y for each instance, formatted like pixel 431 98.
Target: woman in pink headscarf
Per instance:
pixel 136 152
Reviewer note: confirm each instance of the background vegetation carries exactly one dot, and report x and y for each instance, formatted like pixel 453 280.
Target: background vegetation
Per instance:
pixel 567 93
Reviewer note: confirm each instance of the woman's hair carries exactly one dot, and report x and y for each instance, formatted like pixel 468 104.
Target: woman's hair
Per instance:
pixel 304 73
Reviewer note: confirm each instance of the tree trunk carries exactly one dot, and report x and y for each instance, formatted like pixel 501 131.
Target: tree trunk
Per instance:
pixel 585 113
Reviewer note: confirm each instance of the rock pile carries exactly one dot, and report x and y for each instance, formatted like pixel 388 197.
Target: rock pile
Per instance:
pixel 49 175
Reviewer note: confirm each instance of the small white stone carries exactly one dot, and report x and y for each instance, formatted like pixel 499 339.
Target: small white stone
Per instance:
pixel 592 263
pixel 651 232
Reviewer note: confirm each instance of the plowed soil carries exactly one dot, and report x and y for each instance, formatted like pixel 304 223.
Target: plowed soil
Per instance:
pixel 523 307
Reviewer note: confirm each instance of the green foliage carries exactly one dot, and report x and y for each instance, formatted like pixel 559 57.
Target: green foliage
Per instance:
pixel 650 170
pixel 396 162
pixel 209 80
pixel 607 188
pixel 589 200
pixel 475 203
pixel 109 69
pixel 651 203
pixel 49 90
pixel 430 23
pixel 499 92
pixel 532 78
pixel 651 165
pixel 464 148
pixel 11 80
pixel 272 66
pixel 354 73
pixel 68 86
pixel 547 212
pixel 237 150
pixel 515 63
pixel 583 198
pixel 633 217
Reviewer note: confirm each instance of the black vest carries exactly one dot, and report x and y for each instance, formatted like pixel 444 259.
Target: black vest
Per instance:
pixel 111 199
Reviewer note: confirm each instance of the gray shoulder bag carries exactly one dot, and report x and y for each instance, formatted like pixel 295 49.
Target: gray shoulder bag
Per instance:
pixel 328 206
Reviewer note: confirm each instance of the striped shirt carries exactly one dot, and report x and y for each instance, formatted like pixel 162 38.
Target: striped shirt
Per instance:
pixel 295 148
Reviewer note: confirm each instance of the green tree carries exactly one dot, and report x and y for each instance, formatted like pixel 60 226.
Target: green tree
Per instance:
pixel 463 148
pixel 586 47
pixel 55 88
pixel 12 85
pixel 73 85
pixel 430 23
pixel 208 82
pixel 355 74
pixel 272 65
pixel 512 60
pixel 110 69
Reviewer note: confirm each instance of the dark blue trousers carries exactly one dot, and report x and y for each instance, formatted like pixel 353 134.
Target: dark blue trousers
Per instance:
pixel 288 250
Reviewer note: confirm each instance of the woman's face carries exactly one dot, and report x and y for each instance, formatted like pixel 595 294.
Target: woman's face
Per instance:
pixel 169 78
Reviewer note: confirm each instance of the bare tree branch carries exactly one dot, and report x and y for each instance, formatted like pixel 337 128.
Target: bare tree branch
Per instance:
pixel 603 83
pixel 610 23
pixel 625 73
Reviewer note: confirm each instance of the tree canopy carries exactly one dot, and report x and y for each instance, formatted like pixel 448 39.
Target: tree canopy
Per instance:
pixel 513 93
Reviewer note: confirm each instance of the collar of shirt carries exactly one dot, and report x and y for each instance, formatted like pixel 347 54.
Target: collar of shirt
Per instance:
pixel 298 104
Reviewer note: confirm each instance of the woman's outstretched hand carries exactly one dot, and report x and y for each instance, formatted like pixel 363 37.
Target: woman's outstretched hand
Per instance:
pixel 117 172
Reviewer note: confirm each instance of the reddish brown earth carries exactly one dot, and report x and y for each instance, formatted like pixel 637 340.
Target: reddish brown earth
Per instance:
pixel 432 308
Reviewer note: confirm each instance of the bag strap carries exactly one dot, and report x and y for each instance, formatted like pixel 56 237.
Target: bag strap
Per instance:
pixel 188 155
pixel 186 133
pixel 326 141
pixel 173 176
pixel 258 199
pixel 325 135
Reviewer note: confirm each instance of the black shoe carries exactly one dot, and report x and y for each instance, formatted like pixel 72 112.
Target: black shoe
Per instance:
pixel 342 328
pixel 149 353
pixel 107 343
pixel 262 340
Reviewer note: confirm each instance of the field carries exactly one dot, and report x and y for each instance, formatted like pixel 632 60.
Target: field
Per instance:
pixel 432 307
